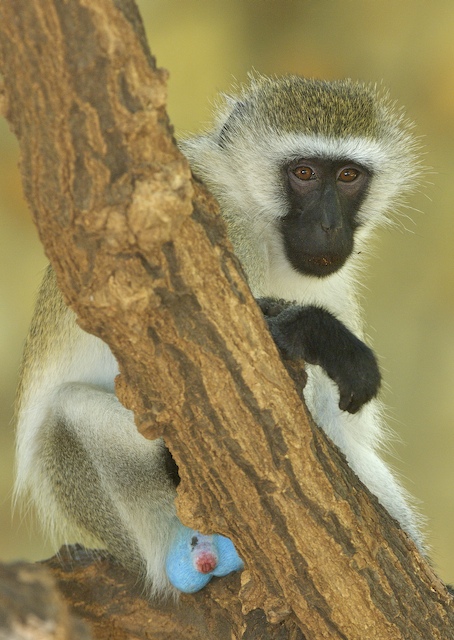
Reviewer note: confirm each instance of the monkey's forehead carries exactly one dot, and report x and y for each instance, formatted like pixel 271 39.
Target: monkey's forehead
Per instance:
pixel 295 104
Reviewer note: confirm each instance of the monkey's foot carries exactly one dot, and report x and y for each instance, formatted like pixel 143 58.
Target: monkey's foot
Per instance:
pixel 194 559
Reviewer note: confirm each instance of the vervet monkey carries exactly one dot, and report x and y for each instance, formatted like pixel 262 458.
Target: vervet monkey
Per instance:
pixel 304 170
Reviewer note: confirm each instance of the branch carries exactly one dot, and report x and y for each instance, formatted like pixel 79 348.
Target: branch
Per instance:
pixel 32 608
pixel 142 256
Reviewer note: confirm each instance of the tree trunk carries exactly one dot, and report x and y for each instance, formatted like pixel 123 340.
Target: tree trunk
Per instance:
pixel 142 256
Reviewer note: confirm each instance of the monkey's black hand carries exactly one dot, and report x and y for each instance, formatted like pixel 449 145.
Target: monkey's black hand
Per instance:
pixel 318 337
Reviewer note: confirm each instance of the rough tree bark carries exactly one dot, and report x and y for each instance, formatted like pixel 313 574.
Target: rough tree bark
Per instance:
pixel 142 257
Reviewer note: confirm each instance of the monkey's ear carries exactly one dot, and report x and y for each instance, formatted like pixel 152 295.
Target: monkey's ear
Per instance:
pixel 239 109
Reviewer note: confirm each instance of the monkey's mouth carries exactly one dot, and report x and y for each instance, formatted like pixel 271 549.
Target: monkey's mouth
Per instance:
pixel 323 261
pixel 322 265
pixel 331 263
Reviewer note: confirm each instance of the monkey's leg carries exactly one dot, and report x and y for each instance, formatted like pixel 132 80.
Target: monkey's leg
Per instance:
pixel 380 480
pixel 98 477
pixel 360 437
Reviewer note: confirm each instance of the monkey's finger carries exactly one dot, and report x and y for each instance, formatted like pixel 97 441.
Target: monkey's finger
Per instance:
pixel 351 401
pixel 345 400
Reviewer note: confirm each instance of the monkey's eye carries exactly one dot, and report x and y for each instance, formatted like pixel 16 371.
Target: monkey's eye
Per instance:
pixel 304 173
pixel 348 174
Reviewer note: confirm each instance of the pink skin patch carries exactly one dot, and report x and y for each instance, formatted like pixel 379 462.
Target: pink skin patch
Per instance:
pixel 205 562
pixel 204 556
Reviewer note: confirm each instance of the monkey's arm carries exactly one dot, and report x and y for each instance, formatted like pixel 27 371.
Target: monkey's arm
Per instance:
pixel 318 337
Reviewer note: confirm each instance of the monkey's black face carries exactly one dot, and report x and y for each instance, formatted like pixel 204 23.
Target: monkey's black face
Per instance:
pixel 324 200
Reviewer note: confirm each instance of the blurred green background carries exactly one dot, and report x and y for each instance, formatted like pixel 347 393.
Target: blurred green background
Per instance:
pixel 409 294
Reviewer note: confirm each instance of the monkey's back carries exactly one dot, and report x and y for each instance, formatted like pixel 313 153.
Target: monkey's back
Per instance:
pixel 57 351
